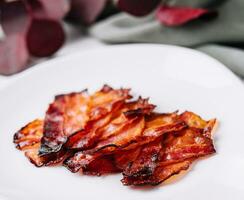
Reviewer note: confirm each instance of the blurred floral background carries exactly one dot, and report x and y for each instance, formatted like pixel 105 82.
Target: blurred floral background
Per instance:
pixel 35 29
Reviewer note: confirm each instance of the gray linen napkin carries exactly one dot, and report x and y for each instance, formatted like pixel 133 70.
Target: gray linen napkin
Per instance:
pixel 206 36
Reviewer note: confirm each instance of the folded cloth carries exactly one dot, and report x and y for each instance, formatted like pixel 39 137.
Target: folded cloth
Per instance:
pixel 227 28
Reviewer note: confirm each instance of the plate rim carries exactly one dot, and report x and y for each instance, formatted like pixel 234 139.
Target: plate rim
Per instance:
pixel 41 66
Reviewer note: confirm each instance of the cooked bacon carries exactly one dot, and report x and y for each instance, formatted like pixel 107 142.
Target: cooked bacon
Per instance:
pixel 70 113
pixel 66 115
pixel 185 144
pixel 81 159
pixel 159 175
pixel 126 137
pixel 124 158
pixel 193 120
pixel 157 125
pixel 105 133
pixel 104 101
pixel 100 166
pixel 146 162
pixel 33 155
pixel 209 129
pixel 28 140
pixel 106 130
pixel 174 147
pixel 29 135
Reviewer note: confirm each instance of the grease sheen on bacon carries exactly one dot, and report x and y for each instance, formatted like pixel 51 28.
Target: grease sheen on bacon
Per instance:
pixel 106 132
pixel 111 125
pixel 28 139
pixel 70 113
pixel 66 115
pixel 141 131
pixel 170 154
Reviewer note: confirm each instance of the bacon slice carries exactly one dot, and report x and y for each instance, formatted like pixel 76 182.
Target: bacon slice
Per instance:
pixel 70 113
pixel 100 166
pixel 66 115
pixel 103 101
pixel 160 174
pixel 126 137
pixel 176 147
pixel 188 143
pixel 82 159
pixel 33 155
pixel 28 139
pixel 157 125
pixel 29 135
pixel 102 132
pixel 193 120
pixel 124 158
pixel 146 162
pixel 125 127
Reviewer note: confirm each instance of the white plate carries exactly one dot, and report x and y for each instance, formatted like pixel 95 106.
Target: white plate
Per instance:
pixel 174 78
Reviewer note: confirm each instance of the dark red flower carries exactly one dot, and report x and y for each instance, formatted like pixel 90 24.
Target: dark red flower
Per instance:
pixel 176 16
pixel 14 54
pixel 138 7
pixel 44 37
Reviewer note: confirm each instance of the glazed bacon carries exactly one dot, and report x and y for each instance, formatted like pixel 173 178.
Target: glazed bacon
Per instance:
pixel 107 133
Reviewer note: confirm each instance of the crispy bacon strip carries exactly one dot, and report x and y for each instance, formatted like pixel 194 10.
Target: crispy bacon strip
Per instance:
pixel 28 140
pixel 159 175
pixel 126 137
pixel 146 162
pixel 188 143
pixel 103 101
pixel 66 115
pixel 33 155
pixel 124 158
pixel 102 165
pixel 70 113
pixel 193 120
pixel 157 125
pixel 29 135
pixel 82 159
pixel 122 130
pixel 86 138
pixel 173 149
pixel 100 133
